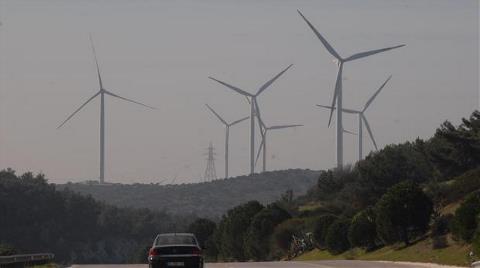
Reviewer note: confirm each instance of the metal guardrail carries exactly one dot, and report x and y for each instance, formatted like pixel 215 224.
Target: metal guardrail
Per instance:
pixel 476 264
pixel 25 259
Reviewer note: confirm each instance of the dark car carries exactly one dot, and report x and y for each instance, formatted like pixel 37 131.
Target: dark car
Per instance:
pixel 175 250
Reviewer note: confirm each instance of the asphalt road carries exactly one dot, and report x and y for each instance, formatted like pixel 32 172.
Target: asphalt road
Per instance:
pixel 287 264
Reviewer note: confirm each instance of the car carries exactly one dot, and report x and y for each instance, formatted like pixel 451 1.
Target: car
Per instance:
pixel 175 250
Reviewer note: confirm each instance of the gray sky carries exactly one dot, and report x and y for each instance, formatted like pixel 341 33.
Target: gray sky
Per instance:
pixel 161 53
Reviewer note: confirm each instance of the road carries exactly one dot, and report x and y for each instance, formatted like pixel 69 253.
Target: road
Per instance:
pixel 296 264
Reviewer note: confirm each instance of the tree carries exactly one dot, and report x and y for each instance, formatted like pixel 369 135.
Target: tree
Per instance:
pixel 393 164
pixel 362 232
pixel 465 220
pixel 455 150
pixel 321 228
pixel 337 236
pixel 233 228
pixel 257 239
pixel 403 212
pixel 204 230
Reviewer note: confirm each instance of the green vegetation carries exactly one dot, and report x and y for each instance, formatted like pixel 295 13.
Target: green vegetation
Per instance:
pixel 363 231
pixel 393 205
pixel 197 198
pixel 422 251
pixel 466 217
pixel 38 218
pixel 402 213
pixel 337 236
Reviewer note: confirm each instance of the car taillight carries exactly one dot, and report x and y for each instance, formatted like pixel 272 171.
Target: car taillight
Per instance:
pixel 152 252
pixel 196 251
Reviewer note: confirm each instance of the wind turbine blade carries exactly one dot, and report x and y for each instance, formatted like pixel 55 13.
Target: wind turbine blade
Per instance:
pixel 260 121
pixel 76 111
pixel 238 121
pixel 284 126
pixel 266 85
pixel 350 132
pixel 338 87
pixel 125 99
pixel 232 87
pixel 323 40
pixel 369 53
pixel 96 63
pixel 369 131
pixel 260 148
pixel 217 115
pixel 350 111
pixel 376 93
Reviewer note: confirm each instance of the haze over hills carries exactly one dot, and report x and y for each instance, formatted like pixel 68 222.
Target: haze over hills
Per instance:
pixel 208 199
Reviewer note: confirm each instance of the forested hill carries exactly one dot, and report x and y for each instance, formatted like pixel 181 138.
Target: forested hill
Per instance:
pixel 208 199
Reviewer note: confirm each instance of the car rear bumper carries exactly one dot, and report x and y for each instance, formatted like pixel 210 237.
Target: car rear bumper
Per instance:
pixel 186 261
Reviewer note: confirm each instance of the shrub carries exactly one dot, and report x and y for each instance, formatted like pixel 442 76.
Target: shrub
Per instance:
pixel 465 221
pixel 204 230
pixel 321 228
pixel 362 232
pixel 337 236
pixel 476 242
pixel 283 233
pixel 257 238
pixel 403 212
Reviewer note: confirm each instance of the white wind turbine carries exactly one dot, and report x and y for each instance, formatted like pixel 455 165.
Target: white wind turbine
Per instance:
pixel 227 133
pixel 362 119
pixel 263 144
pixel 253 101
pixel 102 91
pixel 337 94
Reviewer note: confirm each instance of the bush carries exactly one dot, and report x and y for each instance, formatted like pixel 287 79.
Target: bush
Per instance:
pixel 362 232
pixel 283 233
pixel 465 221
pixel 337 236
pixel 321 228
pixel 476 242
pixel 403 212
pixel 204 230
pixel 6 250
pixel 257 239
pixel 232 230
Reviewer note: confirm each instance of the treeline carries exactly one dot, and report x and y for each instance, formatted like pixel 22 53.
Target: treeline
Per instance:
pixel 35 217
pixel 395 195
pixel 206 199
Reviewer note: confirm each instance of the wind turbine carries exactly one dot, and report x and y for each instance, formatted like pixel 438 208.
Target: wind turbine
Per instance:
pixel 253 101
pixel 362 119
pixel 227 133
pixel 263 144
pixel 337 94
pixel 102 91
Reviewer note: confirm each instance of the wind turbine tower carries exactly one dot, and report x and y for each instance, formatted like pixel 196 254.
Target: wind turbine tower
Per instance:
pixel 253 100
pixel 210 173
pixel 102 92
pixel 337 94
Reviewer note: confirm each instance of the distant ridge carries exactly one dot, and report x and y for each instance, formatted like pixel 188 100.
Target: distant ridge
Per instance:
pixel 207 199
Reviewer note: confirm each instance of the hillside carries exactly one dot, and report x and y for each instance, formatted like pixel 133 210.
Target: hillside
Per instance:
pixel 208 199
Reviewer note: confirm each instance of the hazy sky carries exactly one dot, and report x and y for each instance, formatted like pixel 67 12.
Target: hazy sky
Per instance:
pixel 161 53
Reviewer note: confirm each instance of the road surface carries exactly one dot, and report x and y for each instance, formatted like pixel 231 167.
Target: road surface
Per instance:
pixel 293 264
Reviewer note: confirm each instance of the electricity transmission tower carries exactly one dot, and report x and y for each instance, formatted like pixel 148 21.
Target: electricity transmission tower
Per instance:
pixel 210 173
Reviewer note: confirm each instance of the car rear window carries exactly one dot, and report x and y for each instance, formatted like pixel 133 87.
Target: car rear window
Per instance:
pixel 176 240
